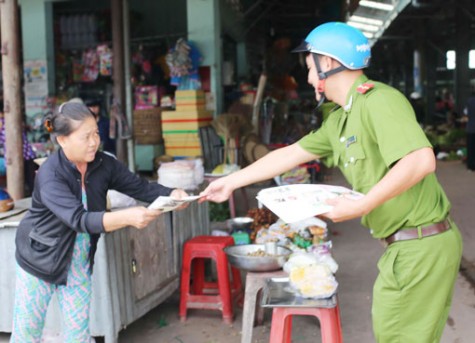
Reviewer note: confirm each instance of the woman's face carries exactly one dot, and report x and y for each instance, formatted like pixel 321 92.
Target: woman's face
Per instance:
pixel 82 144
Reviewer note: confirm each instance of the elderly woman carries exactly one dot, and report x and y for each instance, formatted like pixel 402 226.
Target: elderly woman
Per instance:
pixel 57 239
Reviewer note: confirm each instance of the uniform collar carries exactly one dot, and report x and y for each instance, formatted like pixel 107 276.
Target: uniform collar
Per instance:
pixel 349 100
pixel 347 107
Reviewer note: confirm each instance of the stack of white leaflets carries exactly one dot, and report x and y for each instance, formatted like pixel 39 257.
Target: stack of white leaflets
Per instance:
pixel 296 202
pixel 165 204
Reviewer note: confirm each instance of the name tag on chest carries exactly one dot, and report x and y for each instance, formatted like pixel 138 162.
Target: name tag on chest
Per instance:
pixel 350 141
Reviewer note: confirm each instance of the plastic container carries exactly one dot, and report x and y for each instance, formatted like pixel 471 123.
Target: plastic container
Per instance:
pixel 241 238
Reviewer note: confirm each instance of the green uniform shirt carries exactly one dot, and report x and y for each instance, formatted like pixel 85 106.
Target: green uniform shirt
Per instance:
pixel 365 139
pixel 327 108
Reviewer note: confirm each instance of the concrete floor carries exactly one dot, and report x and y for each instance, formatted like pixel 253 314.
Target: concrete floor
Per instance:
pixel 356 253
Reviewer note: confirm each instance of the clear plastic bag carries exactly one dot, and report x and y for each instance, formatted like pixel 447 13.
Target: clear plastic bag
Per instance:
pixel 313 281
pixel 187 174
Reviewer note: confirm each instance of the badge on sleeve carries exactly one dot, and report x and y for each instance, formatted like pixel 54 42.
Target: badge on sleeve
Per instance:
pixel 363 88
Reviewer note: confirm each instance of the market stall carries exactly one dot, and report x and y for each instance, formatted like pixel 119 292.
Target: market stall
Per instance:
pixel 135 270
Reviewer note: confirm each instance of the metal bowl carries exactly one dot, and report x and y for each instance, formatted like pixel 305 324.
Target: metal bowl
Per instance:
pixel 239 258
pixel 239 223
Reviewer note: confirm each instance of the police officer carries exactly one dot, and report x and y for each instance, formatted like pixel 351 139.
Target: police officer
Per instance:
pixel 374 139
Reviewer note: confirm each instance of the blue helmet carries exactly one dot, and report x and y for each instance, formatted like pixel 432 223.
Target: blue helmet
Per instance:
pixel 339 41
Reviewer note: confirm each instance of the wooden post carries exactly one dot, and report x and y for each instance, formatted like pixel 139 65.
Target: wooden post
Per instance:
pixel 118 89
pixel 11 70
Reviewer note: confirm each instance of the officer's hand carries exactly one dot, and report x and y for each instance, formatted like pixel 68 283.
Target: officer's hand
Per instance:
pixel 343 209
pixel 218 191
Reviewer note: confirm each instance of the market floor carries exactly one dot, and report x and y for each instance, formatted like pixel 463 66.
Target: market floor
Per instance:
pixel 356 253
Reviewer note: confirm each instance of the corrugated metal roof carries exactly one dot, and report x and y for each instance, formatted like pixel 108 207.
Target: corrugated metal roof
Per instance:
pixel 373 17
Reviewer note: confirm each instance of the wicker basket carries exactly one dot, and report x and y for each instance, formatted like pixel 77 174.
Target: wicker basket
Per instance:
pixel 147 126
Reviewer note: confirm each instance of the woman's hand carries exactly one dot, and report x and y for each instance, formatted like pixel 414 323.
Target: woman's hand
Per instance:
pixel 178 194
pixel 139 217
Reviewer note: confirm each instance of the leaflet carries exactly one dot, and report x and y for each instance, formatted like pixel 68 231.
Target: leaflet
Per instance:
pixel 296 202
pixel 165 203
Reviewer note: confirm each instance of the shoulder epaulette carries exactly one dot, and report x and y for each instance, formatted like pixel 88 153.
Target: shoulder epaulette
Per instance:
pixel 364 88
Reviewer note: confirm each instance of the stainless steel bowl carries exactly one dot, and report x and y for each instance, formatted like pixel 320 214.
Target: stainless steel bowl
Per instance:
pixel 238 256
pixel 239 223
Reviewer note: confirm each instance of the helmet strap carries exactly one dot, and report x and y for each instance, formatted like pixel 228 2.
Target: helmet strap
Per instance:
pixel 334 71
pixel 322 99
pixel 323 75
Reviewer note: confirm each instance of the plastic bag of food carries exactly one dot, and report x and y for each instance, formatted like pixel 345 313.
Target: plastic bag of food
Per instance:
pixel 186 174
pixel 303 224
pixel 266 235
pixel 313 281
pixel 323 255
pixel 299 259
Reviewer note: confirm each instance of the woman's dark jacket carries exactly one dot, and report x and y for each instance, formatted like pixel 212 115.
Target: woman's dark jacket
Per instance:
pixel 46 235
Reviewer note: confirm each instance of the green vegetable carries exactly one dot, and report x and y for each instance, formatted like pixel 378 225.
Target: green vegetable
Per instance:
pixel 219 212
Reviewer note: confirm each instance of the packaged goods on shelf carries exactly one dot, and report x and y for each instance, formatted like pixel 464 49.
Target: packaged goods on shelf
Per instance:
pixel 190 100
pixel 182 139
pixel 185 120
pixel 183 151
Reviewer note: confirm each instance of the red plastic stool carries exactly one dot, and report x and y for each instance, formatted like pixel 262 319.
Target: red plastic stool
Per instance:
pixel 330 325
pixel 208 295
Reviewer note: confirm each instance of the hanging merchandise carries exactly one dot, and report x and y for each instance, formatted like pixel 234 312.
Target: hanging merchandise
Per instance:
pixel 146 97
pixel 78 70
pixel 105 60
pixel 142 67
pixel 184 61
pixel 90 61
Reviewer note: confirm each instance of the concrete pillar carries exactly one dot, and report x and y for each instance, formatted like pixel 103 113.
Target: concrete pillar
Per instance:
pixel 12 98
pixel 430 62
pixel 38 53
pixel 204 29
pixel 118 75
pixel 417 72
pixel 462 47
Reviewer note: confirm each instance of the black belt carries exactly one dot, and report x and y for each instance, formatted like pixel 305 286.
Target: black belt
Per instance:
pixel 415 233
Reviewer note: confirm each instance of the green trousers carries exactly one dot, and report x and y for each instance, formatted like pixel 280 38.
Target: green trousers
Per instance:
pixel 413 292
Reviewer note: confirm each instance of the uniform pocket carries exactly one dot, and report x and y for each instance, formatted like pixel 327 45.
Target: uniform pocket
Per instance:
pixel 355 153
pixel 387 269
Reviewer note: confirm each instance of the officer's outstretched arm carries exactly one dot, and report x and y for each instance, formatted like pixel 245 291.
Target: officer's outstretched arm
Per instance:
pixel 272 164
